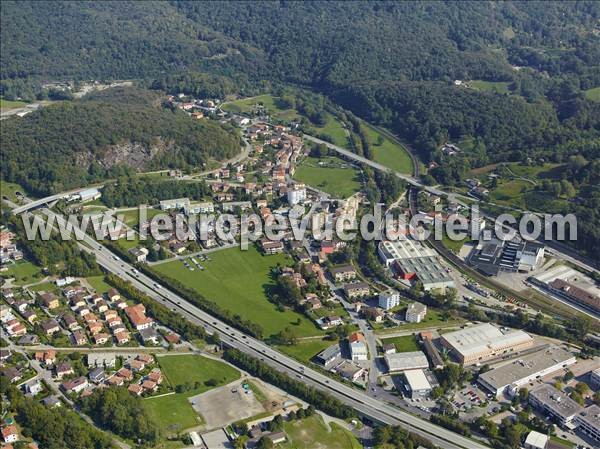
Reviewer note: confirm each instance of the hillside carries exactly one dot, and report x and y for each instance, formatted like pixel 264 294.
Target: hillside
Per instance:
pixel 117 131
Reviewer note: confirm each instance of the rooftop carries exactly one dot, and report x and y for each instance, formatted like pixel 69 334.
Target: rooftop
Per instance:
pixel 557 401
pixel 402 361
pixel 478 338
pixel 525 366
pixel 591 416
pixel 417 380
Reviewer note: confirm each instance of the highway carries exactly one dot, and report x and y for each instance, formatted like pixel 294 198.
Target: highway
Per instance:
pixel 361 402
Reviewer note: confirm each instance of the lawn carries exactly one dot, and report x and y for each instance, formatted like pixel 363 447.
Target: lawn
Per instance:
pixel 432 319
pixel 48 287
pixel 98 284
pixel 329 174
pixel 407 343
pixel 499 87
pixel 237 280
pixel 24 272
pixel 11 104
pixel 174 412
pixel 593 94
pixel 132 217
pixel 313 433
pixel 389 153
pixel 453 245
pixel 305 350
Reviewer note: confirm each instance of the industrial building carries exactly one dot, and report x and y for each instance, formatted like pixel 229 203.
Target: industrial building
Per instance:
pixel 495 255
pixel 588 421
pixel 509 378
pixel 410 259
pixel 536 440
pixel 556 404
pixel 330 354
pixel 358 347
pixel 483 342
pixel 415 312
pixel 405 361
pixel 416 384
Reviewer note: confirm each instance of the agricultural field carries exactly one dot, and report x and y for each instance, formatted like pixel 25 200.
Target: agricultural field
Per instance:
pixel 334 129
pixel 329 174
pixel 593 94
pixel 499 87
pixel 237 280
pixel 174 412
pixel 305 350
pixel 267 101
pixel 6 105
pixel 313 433
pixel 388 153
pixel 407 343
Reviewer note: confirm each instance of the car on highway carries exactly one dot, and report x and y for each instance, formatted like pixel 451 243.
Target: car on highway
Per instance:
pixel 156 285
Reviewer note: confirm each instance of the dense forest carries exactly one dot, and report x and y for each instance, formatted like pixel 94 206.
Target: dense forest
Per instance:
pixel 106 134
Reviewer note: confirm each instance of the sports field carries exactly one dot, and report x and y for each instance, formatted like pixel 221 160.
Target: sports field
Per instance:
pixel 329 174
pixel 237 280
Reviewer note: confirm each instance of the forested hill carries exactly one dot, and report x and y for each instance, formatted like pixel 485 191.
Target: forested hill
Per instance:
pixel 113 132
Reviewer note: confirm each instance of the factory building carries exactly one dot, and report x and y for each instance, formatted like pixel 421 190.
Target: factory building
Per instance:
pixel 483 342
pixel 509 378
pixel 406 361
pixel 555 404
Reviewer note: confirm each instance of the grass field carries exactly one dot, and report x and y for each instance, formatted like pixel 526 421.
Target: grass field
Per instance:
pixel 499 87
pixel 329 174
pixel 174 412
pixel 432 319
pixel 306 349
pixel 269 102
pixel 24 272
pixel 10 104
pixel 389 153
pixel 132 217
pixel 453 245
pixel 407 343
pixel 98 284
pixel 593 94
pixel 311 433
pixel 334 129
pixel 9 190
pixel 237 280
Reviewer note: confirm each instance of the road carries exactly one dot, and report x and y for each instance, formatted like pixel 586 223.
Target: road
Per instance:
pixel 372 408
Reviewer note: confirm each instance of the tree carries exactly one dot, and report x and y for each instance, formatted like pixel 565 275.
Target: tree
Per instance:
pixel 523 394
pixel 265 443
pixel 582 388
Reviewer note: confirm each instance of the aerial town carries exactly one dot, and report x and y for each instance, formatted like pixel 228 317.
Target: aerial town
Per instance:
pixel 176 319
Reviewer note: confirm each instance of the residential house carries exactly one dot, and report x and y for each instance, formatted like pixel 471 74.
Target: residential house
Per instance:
pixel 135 389
pixel 78 337
pixel 97 375
pixel 358 347
pixel 10 434
pixel 76 385
pixel 137 316
pixel 101 338
pixel 356 290
pixel 50 327
pixel 343 273
pixel 63 369
pixel 49 300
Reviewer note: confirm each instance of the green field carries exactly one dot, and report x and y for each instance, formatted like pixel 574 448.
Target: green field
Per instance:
pixel 236 280
pixel 132 217
pixel 49 287
pixel 329 174
pixel 432 319
pixel 10 104
pixel 305 350
pixel 499 87
pixel 269 102
pixel 174 412
pixel 389 153
pixel 9 190
pixel 24 272
pixel 334 129
pixel 311 433
pixel 98 284
pixel 453 245
pixel 593 94
pixel 407 343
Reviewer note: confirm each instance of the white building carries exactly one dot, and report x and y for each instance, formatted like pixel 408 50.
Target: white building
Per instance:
pixel 417 385
pixel 509 378
pixel 536 440
pixel 555 404
pixel 199 208
pixel 89 195
pixel 176 203
pixel 405 361
pixel 389 299
pixel 296 195
pixel 415 312
pixel 358 347
pixel 482 342
pixel 595 379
